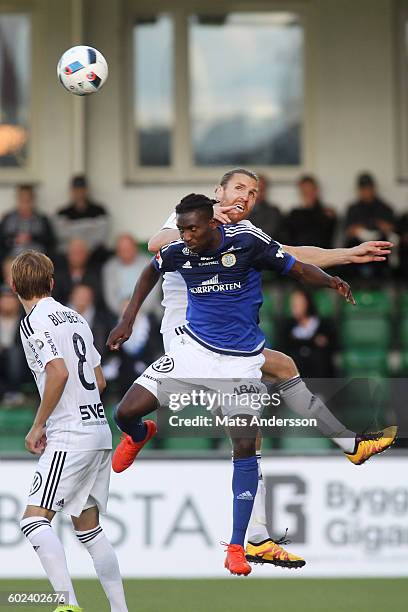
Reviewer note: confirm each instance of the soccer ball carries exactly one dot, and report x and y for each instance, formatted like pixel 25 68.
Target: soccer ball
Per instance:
pixel 82 70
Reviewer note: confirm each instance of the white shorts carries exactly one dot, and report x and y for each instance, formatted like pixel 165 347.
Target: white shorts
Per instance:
pixel 188 366
pixel 174 316
pixel 168 337
pixel 71 481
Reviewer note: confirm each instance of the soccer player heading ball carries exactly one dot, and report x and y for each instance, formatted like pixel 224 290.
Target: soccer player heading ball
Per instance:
pixel 234 337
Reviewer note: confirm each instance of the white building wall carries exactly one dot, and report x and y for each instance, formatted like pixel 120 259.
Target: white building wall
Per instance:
pixel 352 85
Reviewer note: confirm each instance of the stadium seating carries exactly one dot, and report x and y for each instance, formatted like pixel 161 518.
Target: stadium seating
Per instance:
pixel 370 303
pixel 368 331
pixel 267 318
pixel 363 362
pixel 187 444
pixel 269 306
pixel 14 426
pixel 305 445
pixel 403 336
pixel 16 419
pixel 404 362
pixel 325 300
pixel 403 303
pixel 365 332
pixel 268 327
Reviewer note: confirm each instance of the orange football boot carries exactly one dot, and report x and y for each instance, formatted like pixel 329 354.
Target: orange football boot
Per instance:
pixel 127 450
pixel 235 560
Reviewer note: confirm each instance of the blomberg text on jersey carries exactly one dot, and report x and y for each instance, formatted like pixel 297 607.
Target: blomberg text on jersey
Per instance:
pixel 215 288
pixel 64 316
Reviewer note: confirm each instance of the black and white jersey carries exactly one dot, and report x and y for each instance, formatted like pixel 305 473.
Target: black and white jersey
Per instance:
pixel 51 331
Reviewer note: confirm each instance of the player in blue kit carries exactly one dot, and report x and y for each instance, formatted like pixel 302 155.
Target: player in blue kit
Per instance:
pixel 221 267
pixel 236 195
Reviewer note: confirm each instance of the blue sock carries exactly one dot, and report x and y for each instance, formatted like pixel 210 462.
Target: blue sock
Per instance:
pixel 135 428
pixel 244 486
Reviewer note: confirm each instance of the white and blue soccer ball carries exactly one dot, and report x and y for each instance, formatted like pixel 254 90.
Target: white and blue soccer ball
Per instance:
pixel 82 70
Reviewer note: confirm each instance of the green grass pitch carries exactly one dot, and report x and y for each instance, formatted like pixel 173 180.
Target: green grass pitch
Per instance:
pixel 235 595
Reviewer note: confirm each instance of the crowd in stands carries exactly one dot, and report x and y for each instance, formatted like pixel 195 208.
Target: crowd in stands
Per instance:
pixel 98 282
pixel 314 222
pixel 95 281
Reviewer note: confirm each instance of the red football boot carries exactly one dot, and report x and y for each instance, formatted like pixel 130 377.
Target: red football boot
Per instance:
pixel 235 560
pixel 127 450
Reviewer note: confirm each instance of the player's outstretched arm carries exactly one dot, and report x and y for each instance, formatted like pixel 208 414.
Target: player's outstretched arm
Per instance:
pixel 169 234
pixel 315 277
pixel 161 238
pixel 123 329
pixel 366 252
pixel 56 376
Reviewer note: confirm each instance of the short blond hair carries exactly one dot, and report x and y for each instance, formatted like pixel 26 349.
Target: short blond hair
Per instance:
pixel 31 275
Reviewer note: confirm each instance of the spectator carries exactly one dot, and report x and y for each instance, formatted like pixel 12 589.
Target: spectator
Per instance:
pixel 369 218
pixel 311 223
pixel 309 340
pixel 266 215
pixel 403 246
pixel 6 271
pixel 83 218
pixel 120 274
pixel 100 320
pixel 76 269
pixel 13 368
pixel 25 228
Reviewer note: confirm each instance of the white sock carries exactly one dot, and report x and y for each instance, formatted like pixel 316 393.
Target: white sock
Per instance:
pixel 50 551
pixel 346 444
pixel 257 531
pixel 106 566
pixel 300 400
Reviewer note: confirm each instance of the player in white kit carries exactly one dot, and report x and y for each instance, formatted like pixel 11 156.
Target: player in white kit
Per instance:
pixel 70 432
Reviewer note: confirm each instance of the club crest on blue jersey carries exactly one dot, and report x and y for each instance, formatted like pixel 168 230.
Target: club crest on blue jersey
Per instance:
pixel 228 260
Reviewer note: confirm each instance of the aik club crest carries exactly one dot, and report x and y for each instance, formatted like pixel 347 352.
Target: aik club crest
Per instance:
pixel 37 482
pixel 228 260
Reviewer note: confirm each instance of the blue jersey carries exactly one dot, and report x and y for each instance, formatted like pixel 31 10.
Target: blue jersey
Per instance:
pixel 224 287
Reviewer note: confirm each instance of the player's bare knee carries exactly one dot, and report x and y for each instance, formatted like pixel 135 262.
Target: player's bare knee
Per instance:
pixel 243 448
pixel 128 407
pixel 38 511
pixel 123 412
pixel 88 519
pixel 137 402
pixel 287 368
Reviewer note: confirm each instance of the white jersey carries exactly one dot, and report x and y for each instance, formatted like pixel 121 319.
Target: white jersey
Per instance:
pixel 175 290
pixel 51 331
